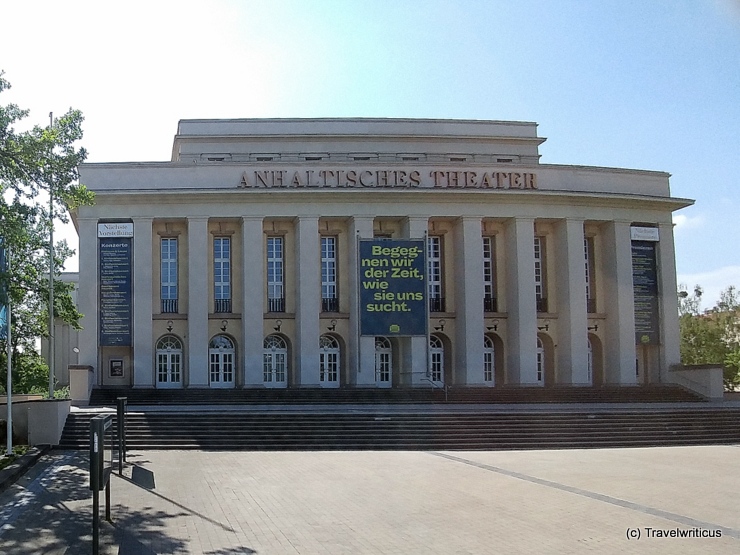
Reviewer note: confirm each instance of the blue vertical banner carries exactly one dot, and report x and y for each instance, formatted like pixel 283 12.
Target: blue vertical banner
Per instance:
pixel 115 291
pixel 3 291
pixel 645 286
pixel 393 287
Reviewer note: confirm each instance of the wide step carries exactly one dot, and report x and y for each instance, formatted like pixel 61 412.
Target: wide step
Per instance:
pixel 424 430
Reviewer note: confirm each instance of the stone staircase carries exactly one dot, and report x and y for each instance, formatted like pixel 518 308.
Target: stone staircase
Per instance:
pixel 418 429
pixel 310 396
pixel 416 419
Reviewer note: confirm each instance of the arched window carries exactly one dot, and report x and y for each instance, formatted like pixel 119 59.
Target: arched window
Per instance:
pixel 436 359
pixel 489 360
pixel 274 362
pixel 329 361
pixel 221 361
pixel 169 362
pixel 540 361
pixel 383 362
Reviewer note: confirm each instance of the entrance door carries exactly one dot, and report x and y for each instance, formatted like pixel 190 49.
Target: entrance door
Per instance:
pixel 540 362
pixel 383 362
pixel 590 362
pixel 489 361
pixel 169 362
pixel 274 362
pixel 436 360
pixel 221 356
pixel 328 361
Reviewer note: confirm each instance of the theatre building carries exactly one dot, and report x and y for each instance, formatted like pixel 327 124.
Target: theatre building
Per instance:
pixel 374 253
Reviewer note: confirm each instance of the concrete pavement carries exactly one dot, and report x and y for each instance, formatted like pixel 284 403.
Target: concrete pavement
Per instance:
pixel 228 503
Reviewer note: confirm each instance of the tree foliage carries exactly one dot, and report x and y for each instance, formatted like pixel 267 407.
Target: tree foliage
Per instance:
pixel 32 163
pixel 713 336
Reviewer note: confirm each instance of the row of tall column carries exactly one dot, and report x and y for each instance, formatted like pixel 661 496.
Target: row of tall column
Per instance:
pixel 521 318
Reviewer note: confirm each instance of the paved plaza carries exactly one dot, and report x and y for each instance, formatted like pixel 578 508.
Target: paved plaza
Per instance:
pixel 401 502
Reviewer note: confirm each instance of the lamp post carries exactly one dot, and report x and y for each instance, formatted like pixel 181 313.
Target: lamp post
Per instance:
pixel 51 274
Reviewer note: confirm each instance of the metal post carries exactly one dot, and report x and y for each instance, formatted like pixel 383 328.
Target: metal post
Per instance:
pixel 121 403
pixel 96 523
pixel 51 276
pixel 96 450
pixel 107 501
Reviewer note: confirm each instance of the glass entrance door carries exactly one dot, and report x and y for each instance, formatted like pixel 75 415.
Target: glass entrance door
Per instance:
pixel 221 356
pixel 328 361
pixel 169 362
pixel 383 362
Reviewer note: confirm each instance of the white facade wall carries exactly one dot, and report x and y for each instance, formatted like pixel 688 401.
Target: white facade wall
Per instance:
pixel 417 178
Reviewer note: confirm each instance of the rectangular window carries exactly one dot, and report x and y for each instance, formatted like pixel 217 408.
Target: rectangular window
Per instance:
pixel 222 274
pixel 329 297
pixel 539 274
pixel 168 274
pixel 588 249
pixel 275 274
pixel 489 275
pixel 434 274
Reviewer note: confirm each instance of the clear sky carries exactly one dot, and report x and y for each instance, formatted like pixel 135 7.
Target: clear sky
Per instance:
pixel 644 84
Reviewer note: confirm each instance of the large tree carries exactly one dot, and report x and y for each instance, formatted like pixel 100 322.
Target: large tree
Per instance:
pixel 712 336
pixel 32 164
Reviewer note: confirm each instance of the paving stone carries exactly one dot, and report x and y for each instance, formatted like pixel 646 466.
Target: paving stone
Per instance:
pixel 229 503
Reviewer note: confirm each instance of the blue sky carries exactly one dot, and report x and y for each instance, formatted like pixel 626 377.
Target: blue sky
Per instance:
pixel 634 84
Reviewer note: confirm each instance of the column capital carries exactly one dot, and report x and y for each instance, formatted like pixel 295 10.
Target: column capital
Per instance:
pixel 469 218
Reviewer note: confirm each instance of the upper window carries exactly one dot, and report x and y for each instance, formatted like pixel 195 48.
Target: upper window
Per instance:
pixel 329 297
pixel 275 274
pixel 539 274
pixel 588 249
pixel 434 274
pixel 222 274
pixel 168 274
pixel 489 275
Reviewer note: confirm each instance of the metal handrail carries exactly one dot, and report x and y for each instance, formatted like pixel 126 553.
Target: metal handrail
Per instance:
pixel 434 385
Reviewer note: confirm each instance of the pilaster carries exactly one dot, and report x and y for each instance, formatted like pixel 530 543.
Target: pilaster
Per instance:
pixel 143 356
pixel 361 348
pixel 414 360
pixel 308 299
pixel 670 334
pixel 253 276
pixel 198 295
pixel 521 302
pixel 87 295
pixel 619 344
pixel 570 276
pixel 468 275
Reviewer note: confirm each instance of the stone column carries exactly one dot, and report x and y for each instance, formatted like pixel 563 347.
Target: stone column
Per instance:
pixel 619 344
pixel 670 334
pixel 253 287
pixel 361 349
pixel 308 299
pixel 415 349
pixel 570 278
pixel 87 295
pixel 198 295
pixel 521 302
pixel 143 359
pixel 468 275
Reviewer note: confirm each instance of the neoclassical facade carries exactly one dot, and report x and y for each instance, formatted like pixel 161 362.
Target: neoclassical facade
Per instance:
pixel 238 263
